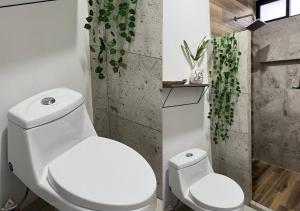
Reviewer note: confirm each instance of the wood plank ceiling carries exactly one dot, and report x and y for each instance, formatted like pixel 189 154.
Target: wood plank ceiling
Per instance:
pixel 222 13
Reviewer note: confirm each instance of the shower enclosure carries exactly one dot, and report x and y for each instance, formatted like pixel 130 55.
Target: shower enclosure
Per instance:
pixel 276 114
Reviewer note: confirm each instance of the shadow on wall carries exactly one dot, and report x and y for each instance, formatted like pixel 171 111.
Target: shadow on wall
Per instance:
pixel 12 182
pixel 258 55
pixel 188 123
pixel 33 34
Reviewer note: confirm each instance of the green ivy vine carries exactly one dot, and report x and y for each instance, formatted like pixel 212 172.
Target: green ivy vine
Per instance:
pixel 225 86
pixel 118 19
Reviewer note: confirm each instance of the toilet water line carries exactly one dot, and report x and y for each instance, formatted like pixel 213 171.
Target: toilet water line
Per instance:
pixel 17 205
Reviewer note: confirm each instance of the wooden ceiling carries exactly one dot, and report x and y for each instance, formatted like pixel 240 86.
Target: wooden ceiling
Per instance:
pixel 222 13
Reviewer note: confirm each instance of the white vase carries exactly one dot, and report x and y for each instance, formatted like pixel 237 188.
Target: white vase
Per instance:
pixel 196 76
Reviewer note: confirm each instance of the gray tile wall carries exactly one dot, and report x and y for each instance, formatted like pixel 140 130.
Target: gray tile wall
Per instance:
pixel 233 157
pixel 127 105
pixel 276 107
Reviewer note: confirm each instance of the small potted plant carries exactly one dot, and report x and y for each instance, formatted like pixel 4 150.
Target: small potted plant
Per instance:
pixel 194 60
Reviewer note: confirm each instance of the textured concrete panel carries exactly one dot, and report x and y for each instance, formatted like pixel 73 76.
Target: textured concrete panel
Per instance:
pixel 292 103
pixel 99 87
pixel 273 76
pixel 238 151
pixel 293 75
pixel 148 40
pixel 101 122
pixel 241 116
pixel 268 152
pixel 135 93
pixel 244 41
pixel 278 40
pixel 271 101
pixel 146 141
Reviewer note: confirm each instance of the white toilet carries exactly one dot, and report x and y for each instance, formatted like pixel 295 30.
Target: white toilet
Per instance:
pixel 193 181
pixel 54 149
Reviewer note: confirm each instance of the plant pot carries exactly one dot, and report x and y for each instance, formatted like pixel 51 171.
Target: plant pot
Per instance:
pixel 196 76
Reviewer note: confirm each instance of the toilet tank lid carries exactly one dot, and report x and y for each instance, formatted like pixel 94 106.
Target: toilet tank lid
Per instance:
pixel 187 158
pixel 44 107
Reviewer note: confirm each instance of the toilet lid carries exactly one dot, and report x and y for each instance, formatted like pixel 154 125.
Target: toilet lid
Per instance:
pixel 102 174
pixel 217 192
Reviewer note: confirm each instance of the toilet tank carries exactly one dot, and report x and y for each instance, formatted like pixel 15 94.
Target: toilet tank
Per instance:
pixel 43 127
pixel 187 168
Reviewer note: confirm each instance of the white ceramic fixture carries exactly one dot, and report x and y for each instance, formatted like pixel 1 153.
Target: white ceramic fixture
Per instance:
pixel 193 181
pixel 54 149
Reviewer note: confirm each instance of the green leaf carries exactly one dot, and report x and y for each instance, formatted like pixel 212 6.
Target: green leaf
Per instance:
pixel 132 11
pixel 132 18
pixel 91 13
pixel 131 24
pixel 128 39
pixel 122 52
pixel 132 33
pixel 89 19
pixel 113 62
pixel 122 26
pixel 116 69
pixel 120 60
pixel 107 26
pixel 124 34
pixel 98 69
pixel 187 49
pixel 113 51
pixel 87 26
pixel 101 76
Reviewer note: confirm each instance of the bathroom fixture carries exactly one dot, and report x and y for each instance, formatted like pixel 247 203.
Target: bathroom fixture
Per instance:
pixel 256 24
pixel 54 149
pixel 193 181
pixel 172 85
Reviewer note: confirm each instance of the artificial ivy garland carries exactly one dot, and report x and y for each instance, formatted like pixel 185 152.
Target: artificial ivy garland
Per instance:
pixel 225 86
pixel 118 19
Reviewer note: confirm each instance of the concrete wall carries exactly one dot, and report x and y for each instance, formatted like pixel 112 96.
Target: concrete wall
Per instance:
pixel 183 127
pixel 43 46
pixel 276 127
pixel 233 157
pixel 128 105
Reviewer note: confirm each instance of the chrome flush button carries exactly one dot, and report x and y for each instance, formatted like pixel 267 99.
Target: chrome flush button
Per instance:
pixel 48 101
pixel 189 155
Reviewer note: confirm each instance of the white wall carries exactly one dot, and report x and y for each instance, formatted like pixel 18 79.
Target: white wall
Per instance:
pixel 183 127
pixel 42 46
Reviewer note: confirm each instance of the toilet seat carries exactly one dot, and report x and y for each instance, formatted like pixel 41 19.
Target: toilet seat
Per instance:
pixel 217 192
pixel 102 174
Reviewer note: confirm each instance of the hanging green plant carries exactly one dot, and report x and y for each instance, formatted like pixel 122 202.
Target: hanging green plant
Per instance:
pixel 225 86
pixel 119 21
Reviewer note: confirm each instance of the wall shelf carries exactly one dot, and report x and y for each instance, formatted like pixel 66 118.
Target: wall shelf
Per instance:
pixel 175 85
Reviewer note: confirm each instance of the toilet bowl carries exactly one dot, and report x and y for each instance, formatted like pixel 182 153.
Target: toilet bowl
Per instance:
pixel 54 150
pixel 193 181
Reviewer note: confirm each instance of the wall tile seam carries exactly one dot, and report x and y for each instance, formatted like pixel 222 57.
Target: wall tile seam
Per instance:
pixel 135 53
pixel 124 118
pixel 240 132
pixel 238 168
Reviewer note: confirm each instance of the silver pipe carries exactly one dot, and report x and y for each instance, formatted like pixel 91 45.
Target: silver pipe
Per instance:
pixel 17 205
